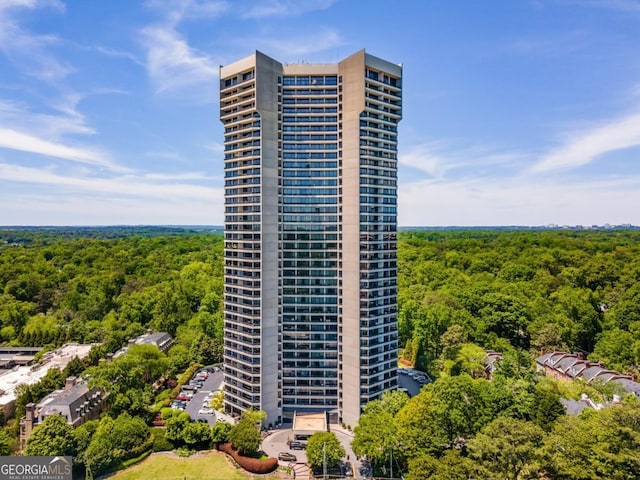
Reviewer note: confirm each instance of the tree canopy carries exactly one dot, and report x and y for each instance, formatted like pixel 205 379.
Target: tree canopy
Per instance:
pixel 324 447
pixel 52 437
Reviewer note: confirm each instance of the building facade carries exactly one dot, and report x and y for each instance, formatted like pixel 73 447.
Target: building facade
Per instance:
pixel 310 306
pixel 77 404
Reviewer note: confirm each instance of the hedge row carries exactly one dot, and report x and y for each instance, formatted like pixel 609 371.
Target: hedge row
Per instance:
pixel 186 376
pixel 250 464
pixel 135 456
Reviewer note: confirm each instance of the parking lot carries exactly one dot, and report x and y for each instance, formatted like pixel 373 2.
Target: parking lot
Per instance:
pixel 202 396
pixel 412 380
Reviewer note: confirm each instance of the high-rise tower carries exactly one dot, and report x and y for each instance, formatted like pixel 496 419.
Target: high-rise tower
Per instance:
pixel 310 162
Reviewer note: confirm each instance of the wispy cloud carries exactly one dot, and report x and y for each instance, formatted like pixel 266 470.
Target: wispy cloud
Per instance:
pixel 424 158
pixel 126 185
pixel 29 52
pixel 89 209
pixel 20 117
pixel 48 132
pixel 301 44
pixel 494 201
pixel 185 176
pixel 172 64
pixel 283 8
pixel 549 45
pixel 113 53
pixel 24 142
pixel 175 11
pixel 439 159
pixel 205 10
pixel 621 5
pixel 214 147
pixel 581 148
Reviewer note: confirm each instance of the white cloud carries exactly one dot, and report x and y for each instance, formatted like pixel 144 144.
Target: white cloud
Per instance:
pixel 174 177
pixel 24 142
pixel 522 201
pixel 176 66
pixel 32 4
pixel 172 64
pixel 203 10
pixel 440 158
pixel 622 5
pixel 29 52
pixel 175 11
pixel 215 147
pixel 20 117
pixel 581 148
pixel 424 158
pixel 302 44
pixel 113 53
pixel 91 210
pixel 115 187
pixel 284 8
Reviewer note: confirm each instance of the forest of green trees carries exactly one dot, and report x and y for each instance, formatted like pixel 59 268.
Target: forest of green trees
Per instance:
pixel 521 291
pixel 459 293
pixel 55 290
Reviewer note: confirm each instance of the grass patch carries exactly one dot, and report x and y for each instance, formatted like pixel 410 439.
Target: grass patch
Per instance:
pixel 212 466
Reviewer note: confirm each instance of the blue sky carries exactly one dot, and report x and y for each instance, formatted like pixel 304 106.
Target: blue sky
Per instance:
pixel 515 112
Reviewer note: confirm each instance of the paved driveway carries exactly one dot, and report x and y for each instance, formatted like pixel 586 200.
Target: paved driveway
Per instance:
pixel 276 442
pixel 211 384
pixel 413 387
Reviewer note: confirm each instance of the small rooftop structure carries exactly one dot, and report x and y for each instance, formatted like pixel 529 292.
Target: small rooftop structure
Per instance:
pixel 576 407
pixel 30 375
pixel 491 362
pixel 12 356
pixel 309 423
pixel 162 340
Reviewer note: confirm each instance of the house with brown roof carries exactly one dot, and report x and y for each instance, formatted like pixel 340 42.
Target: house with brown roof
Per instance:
pixel 569 366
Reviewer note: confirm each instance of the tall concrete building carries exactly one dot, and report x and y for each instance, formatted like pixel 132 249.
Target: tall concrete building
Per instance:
pixel 310 306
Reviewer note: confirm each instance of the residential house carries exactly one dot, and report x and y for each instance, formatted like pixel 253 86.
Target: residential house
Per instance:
pixel 77 403
pixel 570 366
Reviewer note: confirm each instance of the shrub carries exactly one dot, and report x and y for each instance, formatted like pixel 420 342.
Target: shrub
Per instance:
pixel 185 452
pixel 141 449
pixel 133 461
pixel 245 436
pixel 166 413
pixel 184 378
pixel 160 442
pixel 250 464
pixel 220 432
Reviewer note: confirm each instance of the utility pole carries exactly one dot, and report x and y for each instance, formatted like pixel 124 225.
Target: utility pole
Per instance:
pixel 324 460
pixel 391 464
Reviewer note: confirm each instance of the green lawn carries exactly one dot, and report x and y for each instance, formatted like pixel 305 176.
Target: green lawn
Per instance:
pixel 212 466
